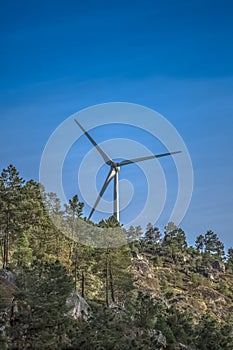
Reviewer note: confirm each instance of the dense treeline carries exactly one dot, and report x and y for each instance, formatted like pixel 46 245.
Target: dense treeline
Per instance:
pixel 50 265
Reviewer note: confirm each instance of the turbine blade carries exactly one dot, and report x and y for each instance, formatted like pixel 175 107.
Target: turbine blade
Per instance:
pixel 110 176
pixel 103 154
pixel 136 160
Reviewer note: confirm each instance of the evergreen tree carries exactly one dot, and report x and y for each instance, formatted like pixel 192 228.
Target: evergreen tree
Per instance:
pixel 181 325
pixel 208 334
pixel 227 334
pixel 10 209
pixel 200 243
pixel 152 238
pixel 83 263
pixel 174 240
pixel 115 263
pixel 111 222
pixel 114 271
pixel 147 310
pixel 213 244
pixel 134 233
pixel 134 238
pixel 73 210
pixel 42 319
pixel 229 264
pixel 23 252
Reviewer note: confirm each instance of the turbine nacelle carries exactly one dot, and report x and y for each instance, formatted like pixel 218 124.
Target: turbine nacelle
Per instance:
pixel 114 165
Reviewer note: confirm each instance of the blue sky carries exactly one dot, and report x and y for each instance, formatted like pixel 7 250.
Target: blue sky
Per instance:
pixel 172 56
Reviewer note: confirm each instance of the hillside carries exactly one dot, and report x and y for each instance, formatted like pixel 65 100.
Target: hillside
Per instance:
pixel 164 286
pixel 155 292
pixel 211 290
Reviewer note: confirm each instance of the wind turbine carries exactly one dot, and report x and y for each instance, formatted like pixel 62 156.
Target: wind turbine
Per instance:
pixel 113 172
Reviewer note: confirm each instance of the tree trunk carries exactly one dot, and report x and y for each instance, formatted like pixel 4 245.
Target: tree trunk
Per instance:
pixel 6 242
pixel 5 250
pixel 75 274
pixel 72 237
pixel 106 280
pixel 83 284
pixel 1 246
pixel 111 283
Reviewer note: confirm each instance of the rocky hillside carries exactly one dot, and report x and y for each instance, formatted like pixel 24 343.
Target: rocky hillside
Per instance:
pixel 173 288
pixel 154 293
pixel 209 290
pixel 6 291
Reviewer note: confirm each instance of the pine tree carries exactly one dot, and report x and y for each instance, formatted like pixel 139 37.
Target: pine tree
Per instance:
pixel 208 334
pixel 73 210
pixel 227 334
pixel 83 263
pixel 23 252
pixel 174 240
pixel 229 264
pixel 152 238
pixel 42 320
pixel 181 324
pixel 10 209
pixel 200 243
pixel 113 269
pixel 134 233
pixel 213 244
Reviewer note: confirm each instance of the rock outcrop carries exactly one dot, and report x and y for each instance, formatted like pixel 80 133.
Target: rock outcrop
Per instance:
pixel 7 275
pixel 79 306
pixel 218 265
pixel 181 346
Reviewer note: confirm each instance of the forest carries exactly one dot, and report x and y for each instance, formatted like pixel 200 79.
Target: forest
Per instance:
pixel 153 292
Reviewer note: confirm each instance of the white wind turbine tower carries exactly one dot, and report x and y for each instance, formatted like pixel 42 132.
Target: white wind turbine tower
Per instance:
pixel 113 172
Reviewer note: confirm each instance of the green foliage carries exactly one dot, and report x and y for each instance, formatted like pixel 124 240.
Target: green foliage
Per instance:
pixel 145 311
pixel 229 264
pixel 158 261
pixel 42 318
pixel 200 243
pixel 211 244
pixel 181 325
pixel 209 334
pixel 113 330
pixel 134 233
pixel 197 279
pixel 23 252
pixel 169 293
pixel 50 265
pixel 174 240
pixel 114 272
pixel 224 289
pixel 75 208
pixel 82 268
pixel 227 334
pixel 111 222
pixel 152 239
pixel 11 199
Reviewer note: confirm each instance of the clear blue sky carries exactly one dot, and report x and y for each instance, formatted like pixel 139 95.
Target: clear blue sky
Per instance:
pixel 173 56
